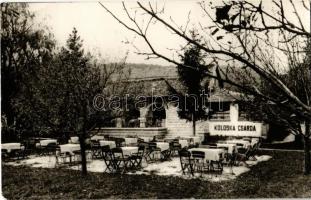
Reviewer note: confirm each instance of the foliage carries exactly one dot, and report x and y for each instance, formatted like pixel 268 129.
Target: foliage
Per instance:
pixel 78 81
pixel 192 78
pixel 24 50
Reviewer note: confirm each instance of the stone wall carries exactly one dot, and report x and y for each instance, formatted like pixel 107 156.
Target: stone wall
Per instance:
pixel 181 127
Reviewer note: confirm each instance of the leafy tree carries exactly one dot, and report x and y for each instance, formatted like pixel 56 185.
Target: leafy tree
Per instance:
pixel 68 87
pixel 24 50
pixel 191 78
pixel 79 82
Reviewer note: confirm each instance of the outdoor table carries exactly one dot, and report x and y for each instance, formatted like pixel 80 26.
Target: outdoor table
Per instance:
pixel 183 143
pixel 70 148
pixel 97 137
pixel 129 141
pixel 11 146
pixel 163 145
pixel 146 139
pixel 246 139
pixel 210 154
pixel 231 147
pixel 196 139
pixel 74 140
pixel 112 144
pixel 243 142
pixel 48 141
pixel 127 151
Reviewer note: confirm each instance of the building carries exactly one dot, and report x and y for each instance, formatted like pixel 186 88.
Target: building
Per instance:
pixel 226 120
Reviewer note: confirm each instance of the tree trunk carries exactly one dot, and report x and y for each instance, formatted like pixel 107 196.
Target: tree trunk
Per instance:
pixel 307 156
pixel 82 141
pixel 193 124
pixel 83 156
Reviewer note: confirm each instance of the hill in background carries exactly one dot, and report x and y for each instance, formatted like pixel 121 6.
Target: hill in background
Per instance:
pixel 147 71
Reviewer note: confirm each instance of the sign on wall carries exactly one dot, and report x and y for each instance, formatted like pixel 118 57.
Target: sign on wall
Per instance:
pixel 240 128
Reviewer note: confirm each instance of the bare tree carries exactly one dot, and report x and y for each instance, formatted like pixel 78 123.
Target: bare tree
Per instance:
pixel 254 38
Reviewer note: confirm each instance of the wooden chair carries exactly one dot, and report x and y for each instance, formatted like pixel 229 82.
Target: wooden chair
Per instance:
pixel 217 166
pixel 62 157
pixel 136 158
pixel 186 162
pixel 76 158
pixel 108 158
pixel 200 163
pixel 139 140
pixel 119 161
pixel 50 148
pixel 246 154
pixel 119 142
pixel 153 150
pixel 96 149
pixel 146 155
pixel 253 151
pixel 175 147
pixel 4 154
pixel 16 154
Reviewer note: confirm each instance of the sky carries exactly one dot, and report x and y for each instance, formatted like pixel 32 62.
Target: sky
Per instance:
pixel 103 35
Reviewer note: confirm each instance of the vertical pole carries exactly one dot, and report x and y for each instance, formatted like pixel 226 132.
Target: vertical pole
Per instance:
pixel 307 156
pixel 193 123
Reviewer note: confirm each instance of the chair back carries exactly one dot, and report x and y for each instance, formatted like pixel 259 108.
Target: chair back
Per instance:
pixel 152 145
pixel 257 145
pixel 184 153
pixel 139 140
pixel 95 143
pixel 119 141
pixel 253 149
pixel 57 151
pixel 175 146
pixel 185 156
pixel 117 152
pixel 198 154
pixel 4 153
pixel 106 148
pixel 106 151
pixel 239 145
pixel 141 150
pixel 51 147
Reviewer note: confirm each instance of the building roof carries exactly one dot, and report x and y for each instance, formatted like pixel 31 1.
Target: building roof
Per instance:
pixel 155 86
pixel 161 81
pixel 225 95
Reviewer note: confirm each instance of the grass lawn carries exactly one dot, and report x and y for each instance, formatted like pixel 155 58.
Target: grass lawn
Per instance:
pixel 279 177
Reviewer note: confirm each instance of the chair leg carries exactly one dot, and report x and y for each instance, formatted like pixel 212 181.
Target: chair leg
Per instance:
pixel 191 169
pixel 183 168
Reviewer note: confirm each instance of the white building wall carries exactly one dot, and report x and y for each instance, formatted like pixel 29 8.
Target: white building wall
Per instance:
pixel 181 127
pixel 234 112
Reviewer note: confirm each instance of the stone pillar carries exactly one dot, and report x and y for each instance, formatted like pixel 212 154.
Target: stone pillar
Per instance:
pixel 142 119
pixel 142 122
pixel 234 112
pixel 119 122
